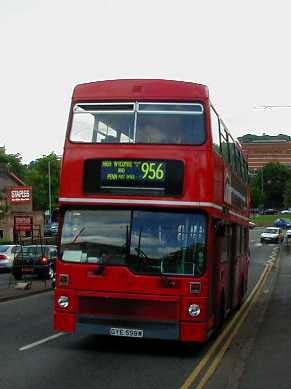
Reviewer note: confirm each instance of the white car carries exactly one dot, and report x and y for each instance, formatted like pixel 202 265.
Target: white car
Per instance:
pixel 288 234
pixel 286 211
pixel 7 254
pixel 272 234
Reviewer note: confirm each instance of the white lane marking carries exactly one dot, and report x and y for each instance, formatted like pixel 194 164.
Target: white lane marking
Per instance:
pixel 41 341
pixel 20 299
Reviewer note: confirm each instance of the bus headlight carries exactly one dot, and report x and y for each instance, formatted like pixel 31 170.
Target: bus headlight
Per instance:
pixel 194 310
pixel 63 301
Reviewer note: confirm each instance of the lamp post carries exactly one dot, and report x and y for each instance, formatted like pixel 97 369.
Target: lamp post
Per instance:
pixel 271 106
pixel 50 191
pixel 58 158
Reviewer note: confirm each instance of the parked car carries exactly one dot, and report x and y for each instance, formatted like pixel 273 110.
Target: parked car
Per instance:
pixel 288 235
pixel 37 260
pixel 7 254
pixel 286 211
pixel 272 234
pixel 283 223
pixel 47 230
pixel 270 211
pixel 51 229
pixel 54 228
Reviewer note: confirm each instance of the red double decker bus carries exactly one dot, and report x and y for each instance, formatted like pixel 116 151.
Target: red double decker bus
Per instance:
pixel 153 213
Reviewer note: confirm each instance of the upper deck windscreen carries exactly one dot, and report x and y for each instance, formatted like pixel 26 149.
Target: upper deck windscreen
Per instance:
pixel 155 123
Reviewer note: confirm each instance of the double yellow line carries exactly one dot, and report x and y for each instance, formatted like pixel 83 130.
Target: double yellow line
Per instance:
pixel 230 330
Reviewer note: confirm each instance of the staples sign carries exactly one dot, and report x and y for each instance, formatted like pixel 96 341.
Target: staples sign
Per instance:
pixel 20 194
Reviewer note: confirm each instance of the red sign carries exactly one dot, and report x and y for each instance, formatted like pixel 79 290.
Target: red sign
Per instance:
pixel 20 194
pixel 23 223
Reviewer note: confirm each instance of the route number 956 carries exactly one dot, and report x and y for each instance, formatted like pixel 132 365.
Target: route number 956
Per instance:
pixel 153 171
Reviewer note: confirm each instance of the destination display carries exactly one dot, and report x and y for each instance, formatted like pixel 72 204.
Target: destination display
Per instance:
pixel 127 176
pixel 150 174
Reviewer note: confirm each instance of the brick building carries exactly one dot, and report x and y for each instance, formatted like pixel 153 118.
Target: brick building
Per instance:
pixel 12 208
pixel 260 152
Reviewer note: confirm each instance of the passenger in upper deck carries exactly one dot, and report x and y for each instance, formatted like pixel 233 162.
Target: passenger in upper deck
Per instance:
pixel 151 134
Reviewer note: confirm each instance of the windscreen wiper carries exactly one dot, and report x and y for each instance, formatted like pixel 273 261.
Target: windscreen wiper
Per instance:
pixel 78 234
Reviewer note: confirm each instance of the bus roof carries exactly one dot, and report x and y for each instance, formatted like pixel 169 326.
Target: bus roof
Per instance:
pixel 146 90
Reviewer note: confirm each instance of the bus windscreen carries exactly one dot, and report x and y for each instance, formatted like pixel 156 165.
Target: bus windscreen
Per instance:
pixel 147 242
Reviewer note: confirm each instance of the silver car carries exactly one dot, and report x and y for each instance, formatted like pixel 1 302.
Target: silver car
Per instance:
pixel 272 234
pixel 7 254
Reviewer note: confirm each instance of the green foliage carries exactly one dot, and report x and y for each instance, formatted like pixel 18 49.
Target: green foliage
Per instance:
pixel 38 177
pixel 14 163
pixel 250 138
pixel 287 194
pixel 265 220
pixel 268 187
pixel 36 174
pixel 4 241
pixel 4 205
pixel 258 197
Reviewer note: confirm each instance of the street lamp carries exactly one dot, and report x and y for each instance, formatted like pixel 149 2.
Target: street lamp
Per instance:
pixel 271 106
pixel 59 158
pixel 50 192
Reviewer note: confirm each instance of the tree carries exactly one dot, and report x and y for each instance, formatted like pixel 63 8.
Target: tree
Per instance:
pixel 276 176
pixel 4 205
pixel 251 138
pixel 287 194
pixel 258 197
pixel 38 177
pixel 269 185
pixel 14 163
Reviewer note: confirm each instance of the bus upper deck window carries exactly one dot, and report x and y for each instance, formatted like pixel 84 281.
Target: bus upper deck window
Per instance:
pixel 103 123
pixel 156 123
pixel 170 123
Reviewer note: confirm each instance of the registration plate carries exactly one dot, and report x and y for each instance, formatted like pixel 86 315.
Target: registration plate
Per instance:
pixel 129 332
pixel 27 269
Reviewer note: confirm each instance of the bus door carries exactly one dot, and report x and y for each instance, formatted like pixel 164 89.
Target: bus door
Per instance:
pixel 234 264
pixel 222 266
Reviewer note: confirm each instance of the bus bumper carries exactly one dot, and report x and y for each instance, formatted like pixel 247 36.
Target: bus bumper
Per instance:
pixel 166 330
pixel 64 322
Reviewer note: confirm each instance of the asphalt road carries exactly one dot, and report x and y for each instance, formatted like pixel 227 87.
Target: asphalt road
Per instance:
pixel 74 361
pixel 260 252
pixel 4 279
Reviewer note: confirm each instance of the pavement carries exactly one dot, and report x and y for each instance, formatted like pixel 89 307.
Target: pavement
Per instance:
pixel 270 358
pixel 15 290
pixel 260 356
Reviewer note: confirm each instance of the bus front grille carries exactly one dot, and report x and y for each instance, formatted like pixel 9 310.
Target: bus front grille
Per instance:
pixel 129 308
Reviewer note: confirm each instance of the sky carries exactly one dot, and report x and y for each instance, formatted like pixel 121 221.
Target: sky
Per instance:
pixel 239 49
